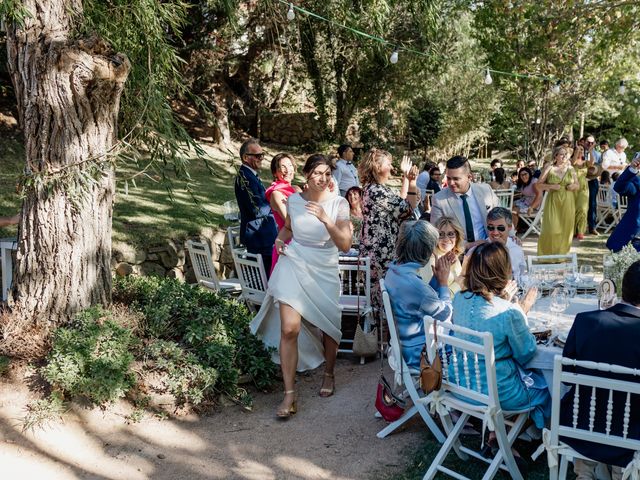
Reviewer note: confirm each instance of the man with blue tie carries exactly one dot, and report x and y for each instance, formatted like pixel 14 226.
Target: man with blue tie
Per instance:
pixel 346 173
pixel 258 228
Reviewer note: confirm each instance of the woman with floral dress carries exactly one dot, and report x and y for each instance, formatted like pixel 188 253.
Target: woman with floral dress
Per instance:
pixel 383 211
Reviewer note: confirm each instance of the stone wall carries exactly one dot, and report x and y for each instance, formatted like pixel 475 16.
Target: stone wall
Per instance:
pixel 169 258
pixel 282 128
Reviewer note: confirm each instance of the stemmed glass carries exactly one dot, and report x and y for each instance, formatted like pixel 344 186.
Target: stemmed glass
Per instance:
pixel 559 302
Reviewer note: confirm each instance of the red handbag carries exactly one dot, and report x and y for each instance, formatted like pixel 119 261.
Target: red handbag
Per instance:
pixel 390 406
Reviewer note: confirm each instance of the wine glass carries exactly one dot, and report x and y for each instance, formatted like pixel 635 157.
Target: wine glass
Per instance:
pixel 559 302
pixel 586 273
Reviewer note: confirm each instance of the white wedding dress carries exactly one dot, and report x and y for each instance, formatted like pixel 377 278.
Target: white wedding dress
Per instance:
pixel 306 278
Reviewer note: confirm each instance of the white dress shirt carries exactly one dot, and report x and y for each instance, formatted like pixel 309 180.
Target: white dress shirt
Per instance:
pixel 611 158
pixel 476 215
pixel 346 176
pixel 516 255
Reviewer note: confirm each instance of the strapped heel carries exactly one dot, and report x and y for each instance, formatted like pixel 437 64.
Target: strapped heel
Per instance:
pixel 327 392
pixel 291 409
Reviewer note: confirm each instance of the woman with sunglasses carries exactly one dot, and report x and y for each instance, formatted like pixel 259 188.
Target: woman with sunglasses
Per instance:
pixel 304 290
pixel 451 243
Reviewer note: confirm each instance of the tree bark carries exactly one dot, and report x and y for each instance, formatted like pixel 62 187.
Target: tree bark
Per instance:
pixel 68 94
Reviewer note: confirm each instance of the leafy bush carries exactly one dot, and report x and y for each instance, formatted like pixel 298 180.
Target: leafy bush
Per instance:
pixel 92 358
pixel 211 327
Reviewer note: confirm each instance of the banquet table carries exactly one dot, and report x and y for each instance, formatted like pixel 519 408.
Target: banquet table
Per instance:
pixel 541 317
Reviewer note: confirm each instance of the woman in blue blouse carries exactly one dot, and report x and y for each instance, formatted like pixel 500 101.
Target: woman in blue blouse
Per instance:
pixel 486 307
pixel 411 298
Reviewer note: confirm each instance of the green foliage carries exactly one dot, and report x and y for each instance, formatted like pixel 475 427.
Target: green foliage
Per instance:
pixel 424 122
pixel 91 358
pixel 4 364
pixel 211 327
pixel 41 412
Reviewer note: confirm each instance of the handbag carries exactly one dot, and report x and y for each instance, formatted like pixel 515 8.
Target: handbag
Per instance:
pixel 365 344
pixel 390 405
pixel 430 372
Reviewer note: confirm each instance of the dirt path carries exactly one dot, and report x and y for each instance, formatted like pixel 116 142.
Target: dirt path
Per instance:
pixel 329 438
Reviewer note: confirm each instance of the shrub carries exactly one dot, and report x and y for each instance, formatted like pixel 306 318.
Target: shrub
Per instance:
pixel 91 358
pixel 211 327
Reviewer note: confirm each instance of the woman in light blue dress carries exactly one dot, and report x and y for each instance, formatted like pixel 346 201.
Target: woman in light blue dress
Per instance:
pixel 486 307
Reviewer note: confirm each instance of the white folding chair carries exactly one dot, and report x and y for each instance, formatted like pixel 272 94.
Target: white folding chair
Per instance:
pixel 470 352
pixel 568 262
pixel 205 271
pixel 253 277
pixel 505 198
pixel 533 221
pixel 355 292
pixel 233 235
pixel 605 214
pixel 409 378
pixel 604 394
pixel 621 208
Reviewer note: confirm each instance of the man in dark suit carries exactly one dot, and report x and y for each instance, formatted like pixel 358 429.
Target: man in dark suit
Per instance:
pixel 258 228
pixel 608 336
pixel 628 230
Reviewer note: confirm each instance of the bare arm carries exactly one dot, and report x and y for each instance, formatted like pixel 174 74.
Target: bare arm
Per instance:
pixel 278 203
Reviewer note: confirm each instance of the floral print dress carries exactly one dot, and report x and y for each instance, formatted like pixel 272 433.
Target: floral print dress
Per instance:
pixel 383 212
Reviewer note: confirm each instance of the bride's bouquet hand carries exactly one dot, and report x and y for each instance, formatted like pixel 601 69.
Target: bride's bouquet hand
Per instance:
pixel 281 247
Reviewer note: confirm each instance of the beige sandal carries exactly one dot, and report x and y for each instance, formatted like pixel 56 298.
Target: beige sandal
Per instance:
pixel 327 392
pixel 291 409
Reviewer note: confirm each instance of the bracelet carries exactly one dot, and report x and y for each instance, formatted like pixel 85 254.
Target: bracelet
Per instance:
pixel 411 193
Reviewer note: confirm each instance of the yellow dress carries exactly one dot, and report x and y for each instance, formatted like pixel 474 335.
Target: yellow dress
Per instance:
pixel 582 198
pixel 558 217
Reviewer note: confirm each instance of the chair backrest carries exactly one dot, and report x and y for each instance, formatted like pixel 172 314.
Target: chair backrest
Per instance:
pixel 233 235
pixel 568 262
pixel 355 282
pixel 394 340
pixel 623 202
pixel 203 264
pixel 604 196
pixel 252 275
pixel 605 395
pixel 468 361
pixel 231 210
pixel 505 198
pixel 426 201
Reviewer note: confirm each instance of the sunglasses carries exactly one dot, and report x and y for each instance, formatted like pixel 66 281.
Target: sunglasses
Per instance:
pixel 447 234
pixel 256 155
pixel 500 228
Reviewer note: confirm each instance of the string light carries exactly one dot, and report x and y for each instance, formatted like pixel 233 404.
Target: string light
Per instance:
pixel 556 87
pixel 394 56
pixel 487 78
pixel 622 88
pixel 291 14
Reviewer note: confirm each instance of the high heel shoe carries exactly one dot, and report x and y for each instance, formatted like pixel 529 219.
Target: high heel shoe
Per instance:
pixel 327 392
pixel 291 409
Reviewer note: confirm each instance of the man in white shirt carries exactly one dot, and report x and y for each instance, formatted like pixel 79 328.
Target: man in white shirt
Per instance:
pixel 464 200
pixel 499 228
pixel 346 173
pixel 614 159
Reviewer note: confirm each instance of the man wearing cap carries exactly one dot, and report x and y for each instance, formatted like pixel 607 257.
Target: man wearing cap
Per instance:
pixel 346 173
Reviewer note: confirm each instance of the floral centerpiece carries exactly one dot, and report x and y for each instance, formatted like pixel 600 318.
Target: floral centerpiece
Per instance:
pixel 616 264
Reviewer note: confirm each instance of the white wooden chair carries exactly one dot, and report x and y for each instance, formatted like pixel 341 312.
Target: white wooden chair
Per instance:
pixel 505 198
pixel 253 278
pixel 533 221
pixel 233 235
pixel 604 395
pixel 410 378
pixel 605 214
pixel 470 352
pixel 205 271
pixel 355 292
pixel 568 263
pixel 621 207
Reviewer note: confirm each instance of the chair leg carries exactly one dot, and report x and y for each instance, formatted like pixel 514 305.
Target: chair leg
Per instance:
pixel 452 438
pixel 564 464
pixel 428 419
pixel 448 428
pixel 505 442
pixel 394 425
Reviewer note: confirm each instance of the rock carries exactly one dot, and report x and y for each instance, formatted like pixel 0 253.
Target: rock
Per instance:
pixel 189 276
pixel 164 246
pixel 153 257
pixel 124 269
pixel 176 273
pixel 150 268
pixel 169 258
pixel 162 456
pixel 127 253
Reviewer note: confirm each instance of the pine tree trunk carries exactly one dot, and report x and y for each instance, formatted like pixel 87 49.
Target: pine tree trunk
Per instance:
pixel 68 93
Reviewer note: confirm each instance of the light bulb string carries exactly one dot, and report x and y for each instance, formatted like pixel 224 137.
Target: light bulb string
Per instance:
pixel 397 47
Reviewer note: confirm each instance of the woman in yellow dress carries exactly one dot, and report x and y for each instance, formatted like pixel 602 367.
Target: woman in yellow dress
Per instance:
pixel 560 181
pixel 580 165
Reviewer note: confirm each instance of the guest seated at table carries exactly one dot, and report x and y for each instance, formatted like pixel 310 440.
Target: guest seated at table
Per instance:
pixel 485 306
pixel 411 298
pixel 450 239
pixel 608 336
pixel 500 181
pixel 528 197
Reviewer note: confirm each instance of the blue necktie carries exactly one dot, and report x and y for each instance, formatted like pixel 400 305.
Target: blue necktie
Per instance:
pixel 468 221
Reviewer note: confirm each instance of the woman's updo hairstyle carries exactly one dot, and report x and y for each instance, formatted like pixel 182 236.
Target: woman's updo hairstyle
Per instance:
pixel 316 160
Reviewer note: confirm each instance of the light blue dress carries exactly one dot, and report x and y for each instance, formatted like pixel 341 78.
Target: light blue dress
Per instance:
pixel 411 299
pixel 513 344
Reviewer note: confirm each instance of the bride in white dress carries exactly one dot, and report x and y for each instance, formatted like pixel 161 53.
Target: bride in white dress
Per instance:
pixel 301 313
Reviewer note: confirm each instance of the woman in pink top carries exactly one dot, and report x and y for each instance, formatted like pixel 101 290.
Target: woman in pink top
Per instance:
pixel 283 171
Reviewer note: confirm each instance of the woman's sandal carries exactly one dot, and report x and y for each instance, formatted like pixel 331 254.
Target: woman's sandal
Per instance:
pixel 291 409
pixel 327 392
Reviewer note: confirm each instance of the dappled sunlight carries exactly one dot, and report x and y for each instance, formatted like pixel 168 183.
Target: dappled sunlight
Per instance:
pixel 303 468
pixel 252 470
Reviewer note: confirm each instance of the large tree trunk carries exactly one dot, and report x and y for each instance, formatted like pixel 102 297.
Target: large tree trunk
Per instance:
pixel 68 93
